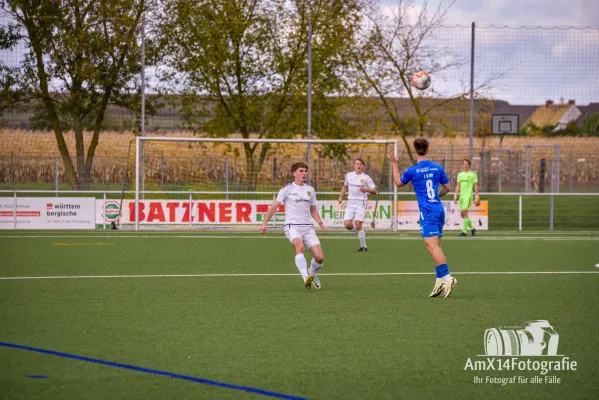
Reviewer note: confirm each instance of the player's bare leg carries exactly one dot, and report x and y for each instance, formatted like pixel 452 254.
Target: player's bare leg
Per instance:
pixel 300 262
pixel 356 226
pixel 444 280
pixel 349 225
pixel 361 236
pixel 316 264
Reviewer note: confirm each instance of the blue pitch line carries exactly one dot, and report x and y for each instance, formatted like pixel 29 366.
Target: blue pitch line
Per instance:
pixel 154 371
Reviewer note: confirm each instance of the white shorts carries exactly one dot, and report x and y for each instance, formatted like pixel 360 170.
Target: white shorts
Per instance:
pixel 355 210
pixel 304 232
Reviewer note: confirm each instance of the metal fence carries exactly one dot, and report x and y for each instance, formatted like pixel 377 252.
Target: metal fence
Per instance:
pixel 499 171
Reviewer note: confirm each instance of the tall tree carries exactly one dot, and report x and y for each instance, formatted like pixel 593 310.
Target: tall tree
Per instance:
pixel 242 67
pixel 82 55
pixel 11 76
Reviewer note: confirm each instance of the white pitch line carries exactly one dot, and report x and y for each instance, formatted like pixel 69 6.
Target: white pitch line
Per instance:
pixel 267 275
pixel 372 237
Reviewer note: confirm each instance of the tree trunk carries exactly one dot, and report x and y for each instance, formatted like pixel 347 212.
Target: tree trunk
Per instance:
pixel 80 151
pixel 249 163
pixel 70 171
pixel 254 167
pixel 251 175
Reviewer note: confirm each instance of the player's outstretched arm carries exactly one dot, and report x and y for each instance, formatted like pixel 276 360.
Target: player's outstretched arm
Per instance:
pixel 456 194
pixel 343 190
pixel 367 190
pixel 271 211
pixel 445 188
pixel 316 216
pixel 395 164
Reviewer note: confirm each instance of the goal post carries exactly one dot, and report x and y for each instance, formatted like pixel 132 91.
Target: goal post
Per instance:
pixel 229 141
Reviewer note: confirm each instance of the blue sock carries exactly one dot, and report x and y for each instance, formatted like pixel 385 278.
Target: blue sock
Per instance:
pixel 442 270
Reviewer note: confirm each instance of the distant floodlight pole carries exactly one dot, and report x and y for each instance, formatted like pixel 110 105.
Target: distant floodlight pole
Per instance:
pixel 394 207
pixel 143 99
pixel 471 127
pixel 308 156
pixel 137 151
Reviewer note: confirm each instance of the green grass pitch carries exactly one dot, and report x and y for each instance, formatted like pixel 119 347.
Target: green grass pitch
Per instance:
pixel 231 308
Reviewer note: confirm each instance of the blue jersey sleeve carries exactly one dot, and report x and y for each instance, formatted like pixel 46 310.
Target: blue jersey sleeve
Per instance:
pixel 443 179
pixel 407 176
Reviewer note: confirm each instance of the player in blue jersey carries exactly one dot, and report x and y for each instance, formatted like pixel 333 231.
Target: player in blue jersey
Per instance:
pixel 426 176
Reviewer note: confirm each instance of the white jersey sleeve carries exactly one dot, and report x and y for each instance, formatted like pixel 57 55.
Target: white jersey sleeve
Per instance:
pixel 313 198
pixel 282 196
pixel 370 183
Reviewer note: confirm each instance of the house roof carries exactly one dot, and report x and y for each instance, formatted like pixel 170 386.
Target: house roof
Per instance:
pixel 549 114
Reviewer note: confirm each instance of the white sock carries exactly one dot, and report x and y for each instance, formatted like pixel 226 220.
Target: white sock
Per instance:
pixel 302 265
pixel 362 238
pixel 354 229
pixel 314 266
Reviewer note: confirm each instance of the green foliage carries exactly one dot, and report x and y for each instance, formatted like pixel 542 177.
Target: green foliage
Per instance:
pixel 531 129
pixel 590 125
pixel 11 94
pixel 570 130
pixel 81 57
pixel 244 67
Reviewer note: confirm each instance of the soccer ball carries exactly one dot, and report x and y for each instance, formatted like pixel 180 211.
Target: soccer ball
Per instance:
pixel 421 80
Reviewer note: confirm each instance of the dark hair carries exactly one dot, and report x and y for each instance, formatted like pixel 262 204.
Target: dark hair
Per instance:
pixel 359 159
pixel 421 146
pixel 468 161
pixel 298 165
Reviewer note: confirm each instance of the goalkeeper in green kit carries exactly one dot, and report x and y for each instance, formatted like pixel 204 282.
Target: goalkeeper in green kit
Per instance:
pixel 467 183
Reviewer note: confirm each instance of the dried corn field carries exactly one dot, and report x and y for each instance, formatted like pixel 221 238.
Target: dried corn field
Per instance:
pixel 31 158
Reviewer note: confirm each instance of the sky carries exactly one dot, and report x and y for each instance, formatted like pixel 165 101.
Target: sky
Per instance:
pixel 523 66
pixel 526 12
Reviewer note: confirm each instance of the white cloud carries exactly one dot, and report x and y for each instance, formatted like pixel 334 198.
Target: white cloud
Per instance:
pixel 525 12
pixel 518 12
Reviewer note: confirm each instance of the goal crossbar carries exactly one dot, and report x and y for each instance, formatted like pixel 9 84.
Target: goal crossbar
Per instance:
pixel 140 139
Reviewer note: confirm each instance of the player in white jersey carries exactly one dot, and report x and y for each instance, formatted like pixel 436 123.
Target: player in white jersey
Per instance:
pixel 299 200
pixel 358 185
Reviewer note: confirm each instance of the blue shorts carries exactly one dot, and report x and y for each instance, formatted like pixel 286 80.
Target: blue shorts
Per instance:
pixel 431 222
